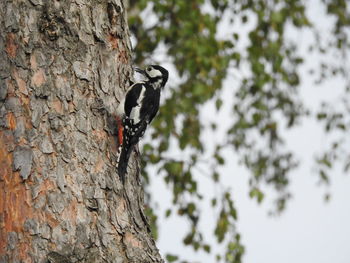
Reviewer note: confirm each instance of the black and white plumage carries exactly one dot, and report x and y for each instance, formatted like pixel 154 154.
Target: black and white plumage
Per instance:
pixel 138 108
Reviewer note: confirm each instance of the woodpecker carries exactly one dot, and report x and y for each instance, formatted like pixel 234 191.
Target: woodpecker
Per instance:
pixel 136 111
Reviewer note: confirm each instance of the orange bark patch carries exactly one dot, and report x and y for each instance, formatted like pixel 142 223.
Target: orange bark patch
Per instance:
pixel 20 83
pixel 113 41
pixel 47 185
pixel 50 220
pixel 11 47
pixel 70 212
pixel 99 134
pixel 57 106
pixel 5 159
pixel 22 87
pixel 11 120
pixel 130 239
pixel 24 248
pixel 22 140
pixel 33 63
pixel 15 199
pixel 38 78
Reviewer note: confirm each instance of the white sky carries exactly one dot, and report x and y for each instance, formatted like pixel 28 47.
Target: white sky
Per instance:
pixel 310 230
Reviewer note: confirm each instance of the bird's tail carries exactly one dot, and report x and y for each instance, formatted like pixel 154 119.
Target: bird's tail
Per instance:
pixel 123 161
pixel 129 140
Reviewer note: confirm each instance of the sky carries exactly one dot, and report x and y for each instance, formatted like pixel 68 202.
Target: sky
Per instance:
pixel 310 229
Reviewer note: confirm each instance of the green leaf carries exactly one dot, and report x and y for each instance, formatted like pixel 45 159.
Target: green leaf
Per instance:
pixel 265 93
pixel 257 194
pixel 277 17
pixel 206 248
pixel 167 212
pixel 171 258
pixel 218 103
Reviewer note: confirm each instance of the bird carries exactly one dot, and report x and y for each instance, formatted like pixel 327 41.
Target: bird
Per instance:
pixel 136 111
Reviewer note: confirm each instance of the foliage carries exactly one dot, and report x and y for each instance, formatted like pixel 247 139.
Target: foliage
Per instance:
pixel 267 61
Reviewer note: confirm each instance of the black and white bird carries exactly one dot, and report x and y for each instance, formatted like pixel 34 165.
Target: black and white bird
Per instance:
pixel 136 111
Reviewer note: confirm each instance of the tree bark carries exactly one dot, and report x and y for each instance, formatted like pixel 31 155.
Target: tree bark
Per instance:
pixel 64 65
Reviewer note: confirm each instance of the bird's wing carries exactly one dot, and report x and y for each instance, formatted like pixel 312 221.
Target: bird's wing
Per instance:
pixel 132 104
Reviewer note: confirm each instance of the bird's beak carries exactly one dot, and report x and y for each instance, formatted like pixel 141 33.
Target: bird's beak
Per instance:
pixel 140 71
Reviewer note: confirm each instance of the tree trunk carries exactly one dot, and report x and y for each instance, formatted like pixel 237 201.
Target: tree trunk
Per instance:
pixel 64 65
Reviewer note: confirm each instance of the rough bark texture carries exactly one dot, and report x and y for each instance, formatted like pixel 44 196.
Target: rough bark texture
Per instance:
pixel 64 66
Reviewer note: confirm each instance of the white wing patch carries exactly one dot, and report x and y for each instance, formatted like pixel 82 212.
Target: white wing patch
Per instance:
pixel 135 112
pixel 121 106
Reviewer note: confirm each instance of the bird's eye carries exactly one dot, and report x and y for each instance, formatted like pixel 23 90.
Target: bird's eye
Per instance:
pixel 149 69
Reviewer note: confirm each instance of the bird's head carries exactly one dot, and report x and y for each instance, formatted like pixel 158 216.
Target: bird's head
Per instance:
pixel 155 74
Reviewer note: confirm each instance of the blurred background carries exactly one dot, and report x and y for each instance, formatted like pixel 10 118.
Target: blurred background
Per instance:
pixel 247 160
